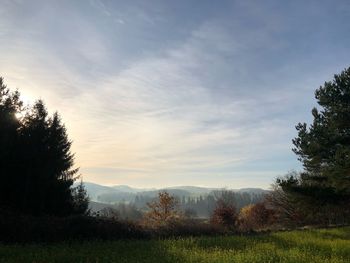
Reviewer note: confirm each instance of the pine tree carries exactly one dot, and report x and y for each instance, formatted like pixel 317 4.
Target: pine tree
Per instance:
pixel 37 166
pixel 10 105
pixel 80 199
pixel 324 150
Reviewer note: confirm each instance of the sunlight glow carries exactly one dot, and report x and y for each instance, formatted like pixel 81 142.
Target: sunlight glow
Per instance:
pixel 19 115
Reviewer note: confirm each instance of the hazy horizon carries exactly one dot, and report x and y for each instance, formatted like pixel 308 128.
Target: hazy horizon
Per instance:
pixel 168 93
pixel 173 186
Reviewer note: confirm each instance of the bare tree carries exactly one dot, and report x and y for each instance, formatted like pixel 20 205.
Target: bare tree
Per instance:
pixel 162 210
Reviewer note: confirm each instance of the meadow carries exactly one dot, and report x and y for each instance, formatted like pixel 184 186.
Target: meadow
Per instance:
pixel 322 245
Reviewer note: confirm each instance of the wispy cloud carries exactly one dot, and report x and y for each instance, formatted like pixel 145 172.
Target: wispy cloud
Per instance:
pixel 167 120
pixel 152 97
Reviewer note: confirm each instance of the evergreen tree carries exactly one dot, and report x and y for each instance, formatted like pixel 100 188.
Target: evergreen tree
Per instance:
pixel 36 163
pixel 10 105
pixel 324 150
pixel 81 199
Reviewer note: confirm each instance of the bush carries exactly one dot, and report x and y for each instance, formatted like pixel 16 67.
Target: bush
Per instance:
pixel 255 217
pixel 224 215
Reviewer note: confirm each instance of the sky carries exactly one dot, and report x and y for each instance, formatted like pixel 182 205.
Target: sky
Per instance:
pixel 167 93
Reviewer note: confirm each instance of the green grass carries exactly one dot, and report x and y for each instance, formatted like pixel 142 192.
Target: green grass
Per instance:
pixel 325 245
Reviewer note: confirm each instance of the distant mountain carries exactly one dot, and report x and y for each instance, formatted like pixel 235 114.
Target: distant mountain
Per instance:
pixel 125 193
pixel 126 188
pixel 94 190
pixel 176 192
pixel 194 189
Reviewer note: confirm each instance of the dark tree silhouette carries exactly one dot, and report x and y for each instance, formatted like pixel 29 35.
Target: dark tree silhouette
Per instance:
pixel 36 163
pixel 81 200
pixel 10 105
pixel 324 150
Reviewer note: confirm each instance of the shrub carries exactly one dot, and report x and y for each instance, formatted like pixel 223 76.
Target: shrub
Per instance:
pixel 255 217
pixel 287 213
pixel 224 215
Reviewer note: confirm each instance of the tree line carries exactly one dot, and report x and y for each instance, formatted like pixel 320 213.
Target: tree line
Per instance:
pixel 204 205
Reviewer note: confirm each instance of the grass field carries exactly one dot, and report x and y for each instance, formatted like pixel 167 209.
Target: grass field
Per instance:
pixel 325 245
